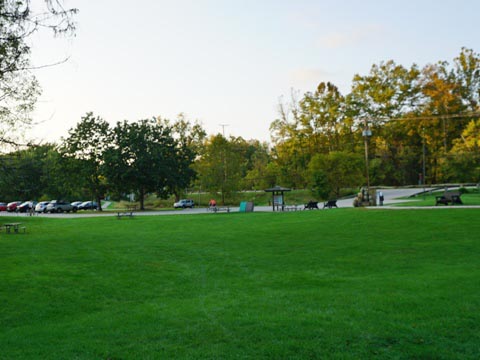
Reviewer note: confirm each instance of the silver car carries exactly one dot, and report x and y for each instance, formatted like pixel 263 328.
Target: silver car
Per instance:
pixel 59 206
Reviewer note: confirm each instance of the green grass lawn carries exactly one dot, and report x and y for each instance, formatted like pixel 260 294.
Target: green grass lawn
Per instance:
pixel 341 284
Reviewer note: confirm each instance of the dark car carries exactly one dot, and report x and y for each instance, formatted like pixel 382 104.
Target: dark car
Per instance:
pixel 76 204
pixel 88 205
pixel 26 206
pixel 12 206
pixel 3 206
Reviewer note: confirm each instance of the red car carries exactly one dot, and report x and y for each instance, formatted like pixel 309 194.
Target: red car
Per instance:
pixel 3 206
pixel 11 207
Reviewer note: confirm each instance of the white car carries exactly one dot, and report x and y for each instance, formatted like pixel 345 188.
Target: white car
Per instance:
pixel 41 207
pixel 184 203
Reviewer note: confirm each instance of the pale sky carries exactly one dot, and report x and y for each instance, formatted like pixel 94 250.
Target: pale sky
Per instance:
pixel 229 62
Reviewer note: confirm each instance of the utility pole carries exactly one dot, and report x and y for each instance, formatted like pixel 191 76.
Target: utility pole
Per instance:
pixel 224 164
pixel 423 161
pixel 223 128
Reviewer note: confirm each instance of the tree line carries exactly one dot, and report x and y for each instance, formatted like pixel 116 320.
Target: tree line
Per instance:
pixel 424 124
pixel 142 157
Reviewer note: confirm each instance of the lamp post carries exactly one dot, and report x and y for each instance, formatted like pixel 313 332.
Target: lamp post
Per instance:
pixel 423 161
pixel 366 133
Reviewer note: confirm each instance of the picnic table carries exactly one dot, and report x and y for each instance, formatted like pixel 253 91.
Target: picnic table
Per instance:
pixel 330 204
pixel 216 209
pixel 15 226
pixel 127 212
pixel 311 205
pixel 452 197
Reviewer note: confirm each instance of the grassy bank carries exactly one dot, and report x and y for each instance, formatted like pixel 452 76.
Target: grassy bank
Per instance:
pixel 470 197
pixel 346 284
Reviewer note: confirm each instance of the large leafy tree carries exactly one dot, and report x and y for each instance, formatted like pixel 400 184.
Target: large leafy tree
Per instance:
pixel 141 158
pixel 467 75
pixel 188 143
pixel 87 143
pixel 442 97
pixel 260 171
pixel 323 118
pixel 291 152
pixel 222 165
pixel 464 157
pixel 19 89
pixel 388 91
pixel 329 173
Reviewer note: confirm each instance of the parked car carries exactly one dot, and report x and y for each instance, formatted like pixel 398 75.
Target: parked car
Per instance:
pixel 12 206
pixel 88 205
pixel 76 204
pixel 58 206
pixel 3 206
pixel 184 203
pixel 41 207
pixel 26 206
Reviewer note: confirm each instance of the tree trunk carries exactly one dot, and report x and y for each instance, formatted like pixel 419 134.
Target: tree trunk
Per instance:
pixel 177 195
pixel 99 203
pixel 141 199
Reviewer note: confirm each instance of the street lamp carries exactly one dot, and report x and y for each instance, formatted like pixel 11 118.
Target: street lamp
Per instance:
pixel 366 133
pixel 423 161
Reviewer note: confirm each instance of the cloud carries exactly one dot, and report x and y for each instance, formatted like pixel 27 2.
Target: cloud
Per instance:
pixel 305 74
pixel 354 36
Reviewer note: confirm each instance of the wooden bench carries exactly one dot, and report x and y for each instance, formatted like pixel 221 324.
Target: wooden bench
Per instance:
pixel 330 204
pixel 449 197
pixel 291 207
pixel 311 205
pixel 121 214
pixel 127 212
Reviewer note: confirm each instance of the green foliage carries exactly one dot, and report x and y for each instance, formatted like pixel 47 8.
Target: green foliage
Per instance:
pixel 464 158
pixel 389 90
pixel 227 165
pixel 86 146
pixel 330 173
pixel 326 121
pixel 37 172
pixel 140 158
pixel 382 284
pixel 189 140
